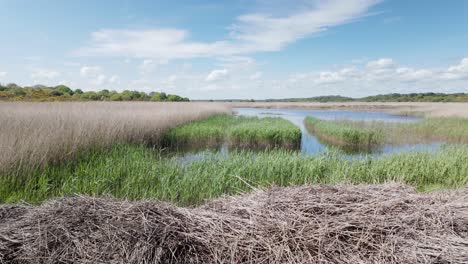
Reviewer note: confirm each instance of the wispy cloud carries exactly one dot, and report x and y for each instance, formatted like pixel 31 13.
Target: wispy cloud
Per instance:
pixel 250 33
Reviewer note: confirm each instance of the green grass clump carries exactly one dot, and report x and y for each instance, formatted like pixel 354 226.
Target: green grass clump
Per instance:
pixel 264 132
pixel 445 129
pixel 208 132
pixel 136 172
pixel 237 131
pixel 344 133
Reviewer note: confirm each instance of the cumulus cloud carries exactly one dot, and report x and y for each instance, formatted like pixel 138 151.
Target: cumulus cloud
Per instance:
pixel 384 71
pixel 44 74
pixel 459 71
pixel 97 77
pixel 90 71
pixel 250 33
pixel 383 63
pixel 217 75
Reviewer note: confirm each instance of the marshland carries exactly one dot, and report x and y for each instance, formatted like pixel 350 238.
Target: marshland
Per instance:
pixel 193 154
pixel 223 132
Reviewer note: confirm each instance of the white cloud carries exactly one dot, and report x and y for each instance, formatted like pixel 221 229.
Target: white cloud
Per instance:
pixel 251 33
pixel 99 80
pixel 97 77
pixel 409 74
pixel 147 66
pixel 256 76
pixel 455 72
pixel 3 74
pixel 383 63
pixel 328 77
pixel 381 76
pixel 217 75
pixel 90 71
pixel 114 79
pixel 44 74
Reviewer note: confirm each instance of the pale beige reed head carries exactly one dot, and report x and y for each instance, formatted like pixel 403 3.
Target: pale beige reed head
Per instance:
pixel 36 133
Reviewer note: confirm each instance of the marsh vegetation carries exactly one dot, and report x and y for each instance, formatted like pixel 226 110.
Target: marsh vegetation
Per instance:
pixel 137 172
pixel 130 152
pixel 36 134
pixel 236 131
pixel 368 135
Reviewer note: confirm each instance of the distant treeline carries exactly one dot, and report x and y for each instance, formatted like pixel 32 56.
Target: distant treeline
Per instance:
pixel 394 97
pixel 13 92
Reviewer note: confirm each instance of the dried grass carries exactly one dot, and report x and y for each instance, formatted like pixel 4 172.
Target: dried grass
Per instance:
pixel 37 133
pixel 309 224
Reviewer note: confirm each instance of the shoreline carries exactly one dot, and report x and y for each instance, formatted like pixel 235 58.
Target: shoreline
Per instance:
pixel 421 109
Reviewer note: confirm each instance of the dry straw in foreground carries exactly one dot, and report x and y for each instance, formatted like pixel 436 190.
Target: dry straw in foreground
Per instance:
pixel 33 134
pixel 309 224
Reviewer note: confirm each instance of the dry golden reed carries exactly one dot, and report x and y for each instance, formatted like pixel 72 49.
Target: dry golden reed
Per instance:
pixel 34 134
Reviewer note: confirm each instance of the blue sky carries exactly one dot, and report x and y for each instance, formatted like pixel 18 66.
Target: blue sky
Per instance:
pixel 238 48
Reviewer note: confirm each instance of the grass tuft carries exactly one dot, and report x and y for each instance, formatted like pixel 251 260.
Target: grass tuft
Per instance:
pixel 136 172
pixel 344 134
pixel 236 131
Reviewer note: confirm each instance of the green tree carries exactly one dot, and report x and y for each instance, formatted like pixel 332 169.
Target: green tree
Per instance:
pixel 156 97
pixel 90 96
pixel 64 89
pixel 116 97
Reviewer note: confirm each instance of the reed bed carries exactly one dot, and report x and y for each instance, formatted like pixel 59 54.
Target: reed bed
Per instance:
pixel 450 130
pixel 209 132
pixel 236 131
pixel 265 132
pixel 368 134
pixel 345 134
pixel 308 224
pixel 136 173
pixel 35 134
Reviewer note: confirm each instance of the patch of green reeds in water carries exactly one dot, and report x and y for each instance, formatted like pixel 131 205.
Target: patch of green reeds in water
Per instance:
pixel 345 134
pixel 137 172
pixel 368 134
pixel 452 130
pixel 236 131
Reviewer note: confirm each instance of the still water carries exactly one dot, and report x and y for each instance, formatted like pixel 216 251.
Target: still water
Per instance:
pixel 310 145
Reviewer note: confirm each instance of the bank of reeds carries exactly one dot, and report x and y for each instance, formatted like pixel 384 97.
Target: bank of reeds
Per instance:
pixel 345 134
pixel 136 173
pixel 35 134
pixel 448 129
pixel 236 131
pixel 309 224
pixel 365 134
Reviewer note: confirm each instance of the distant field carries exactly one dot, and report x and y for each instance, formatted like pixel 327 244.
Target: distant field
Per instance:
pixel 419 109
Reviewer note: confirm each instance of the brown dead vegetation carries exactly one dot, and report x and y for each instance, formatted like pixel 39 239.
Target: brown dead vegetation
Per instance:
pixel 308 224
